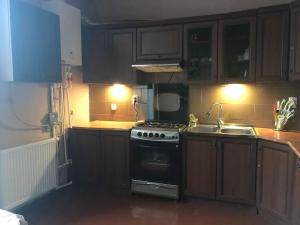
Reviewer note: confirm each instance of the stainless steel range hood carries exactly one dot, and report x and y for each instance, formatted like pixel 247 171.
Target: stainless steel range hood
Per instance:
pixel 159 67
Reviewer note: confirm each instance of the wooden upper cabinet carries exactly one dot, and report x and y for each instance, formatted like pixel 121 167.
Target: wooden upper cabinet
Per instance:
pixel 295 43
pixel 95 56
pixel 272 46
pixel 295 209
pixel 108 56
pixel 237 45
pixel 201 52
pixel 163 42
pixel 274 181
pixel 122 53
pixel 200 168
pixel 236 170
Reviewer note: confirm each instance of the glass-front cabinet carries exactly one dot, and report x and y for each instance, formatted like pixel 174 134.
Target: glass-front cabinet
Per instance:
pixel 201 51
pixel 237 50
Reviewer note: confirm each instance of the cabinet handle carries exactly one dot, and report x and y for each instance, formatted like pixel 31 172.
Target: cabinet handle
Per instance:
pixel 298 164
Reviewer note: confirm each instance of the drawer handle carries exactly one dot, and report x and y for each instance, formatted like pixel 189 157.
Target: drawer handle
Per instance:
pixel 298 164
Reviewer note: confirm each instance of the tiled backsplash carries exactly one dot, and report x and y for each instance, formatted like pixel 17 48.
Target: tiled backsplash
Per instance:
pixel 254 107
pixel 101 100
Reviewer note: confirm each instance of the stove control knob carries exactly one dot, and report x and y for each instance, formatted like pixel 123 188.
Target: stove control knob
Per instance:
pixel 145 134
pixel 139 134
pixel 151 135
pixel 156 135
pixel 162 135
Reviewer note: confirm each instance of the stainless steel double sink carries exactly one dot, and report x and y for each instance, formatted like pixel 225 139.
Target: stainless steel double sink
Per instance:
pixel 226 129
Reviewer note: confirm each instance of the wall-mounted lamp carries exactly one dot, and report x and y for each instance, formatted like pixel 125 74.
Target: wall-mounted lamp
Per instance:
pixel 235 92
pixel 119 92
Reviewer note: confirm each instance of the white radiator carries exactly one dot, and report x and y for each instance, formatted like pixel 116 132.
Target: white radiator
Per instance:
pixel 27 172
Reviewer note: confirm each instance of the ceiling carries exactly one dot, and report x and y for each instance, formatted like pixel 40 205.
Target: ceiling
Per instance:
pixel 116 10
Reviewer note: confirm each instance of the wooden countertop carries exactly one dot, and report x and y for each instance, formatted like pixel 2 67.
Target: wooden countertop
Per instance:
pixel 291 138
pixel 106 125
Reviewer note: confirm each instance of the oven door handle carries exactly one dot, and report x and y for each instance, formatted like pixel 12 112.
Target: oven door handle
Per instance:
pixel 153 147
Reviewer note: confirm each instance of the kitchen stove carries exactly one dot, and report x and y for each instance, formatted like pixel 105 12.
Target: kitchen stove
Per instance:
pixel 158 131
pixel 156 158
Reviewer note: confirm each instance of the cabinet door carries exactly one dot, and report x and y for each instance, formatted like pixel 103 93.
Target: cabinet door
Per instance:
pixel 295 209
pixel 116 151
pixel 200 167
pixel 201 52
pixel 237 44
pixel 274 179
pixel 236 170
pixel 164 42
pixel 86 155
pixel 122 49
pixel 95 56
pixel 35 39
pixel 295 43
pixel 272 46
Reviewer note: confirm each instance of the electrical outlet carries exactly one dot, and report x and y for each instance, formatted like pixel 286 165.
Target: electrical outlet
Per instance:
pixel 135 99
pixel 295 99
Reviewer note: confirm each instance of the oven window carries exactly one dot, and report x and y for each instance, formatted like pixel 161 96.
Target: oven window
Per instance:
pixel 159 163
pixel 155 161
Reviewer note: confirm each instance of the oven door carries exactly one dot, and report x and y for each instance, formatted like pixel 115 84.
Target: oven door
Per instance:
pixel 156 162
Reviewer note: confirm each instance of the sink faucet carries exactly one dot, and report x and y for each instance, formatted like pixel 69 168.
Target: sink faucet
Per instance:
pixel 220 122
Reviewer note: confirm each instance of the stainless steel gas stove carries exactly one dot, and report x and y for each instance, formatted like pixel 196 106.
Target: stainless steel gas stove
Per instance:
pixel 156 159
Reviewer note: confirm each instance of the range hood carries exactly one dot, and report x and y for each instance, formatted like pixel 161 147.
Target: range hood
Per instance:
pixel 159 67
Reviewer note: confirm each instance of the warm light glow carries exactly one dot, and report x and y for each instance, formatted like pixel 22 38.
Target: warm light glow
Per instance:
pixel 234 92
pixel 119 92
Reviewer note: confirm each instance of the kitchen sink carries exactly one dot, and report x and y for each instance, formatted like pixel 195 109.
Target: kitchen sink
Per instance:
pixel 226 129
pixel 203 128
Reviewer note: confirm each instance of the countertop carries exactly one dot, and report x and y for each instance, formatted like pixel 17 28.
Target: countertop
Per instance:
pixel 291 138
pixel 106 125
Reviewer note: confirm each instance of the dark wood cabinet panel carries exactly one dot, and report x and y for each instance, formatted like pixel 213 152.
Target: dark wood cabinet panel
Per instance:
pixel 236 170
pixel 274 180
pixel 295 43
pixel 116 150
pixel 201 52
pixel 35 40
pixel 95 56
pixel 295 209
pixel 163 42
pixel 237 50
pixel 100 158
pixel 86 155
pixel 200 169
pixel 108 56
pixel 272 47
pixel 122 53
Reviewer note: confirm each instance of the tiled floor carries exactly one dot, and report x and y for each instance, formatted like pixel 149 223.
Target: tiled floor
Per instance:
pixel 87 207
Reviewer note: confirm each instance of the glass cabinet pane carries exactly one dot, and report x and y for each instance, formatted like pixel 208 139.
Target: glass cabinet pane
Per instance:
pixel 236 51
pixel 199 53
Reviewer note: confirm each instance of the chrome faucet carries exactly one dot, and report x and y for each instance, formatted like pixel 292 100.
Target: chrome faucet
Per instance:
pixel 220 122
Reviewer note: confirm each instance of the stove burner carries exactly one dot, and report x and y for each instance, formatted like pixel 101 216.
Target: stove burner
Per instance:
pixel 162 124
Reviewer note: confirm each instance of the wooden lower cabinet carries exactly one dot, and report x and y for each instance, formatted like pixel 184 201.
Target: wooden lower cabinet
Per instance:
pixel 236 165
pixel 100 158
pixel 86 156
pixel 200 179
pixel 274 181
pixel 116 159
pixel 295 209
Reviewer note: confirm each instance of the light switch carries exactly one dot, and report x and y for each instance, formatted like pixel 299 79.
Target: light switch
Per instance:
pixel 114 107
